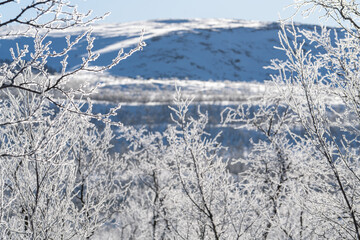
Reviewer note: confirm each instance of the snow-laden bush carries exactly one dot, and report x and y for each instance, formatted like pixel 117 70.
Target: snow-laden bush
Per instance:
pixel 181 186
pixel 58 179
pixel 301 181
pixel 305 173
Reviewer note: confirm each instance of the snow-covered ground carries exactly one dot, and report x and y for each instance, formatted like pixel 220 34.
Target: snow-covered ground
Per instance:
pixel 129 91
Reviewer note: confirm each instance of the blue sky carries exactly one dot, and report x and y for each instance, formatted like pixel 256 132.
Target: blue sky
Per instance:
pixel 135 10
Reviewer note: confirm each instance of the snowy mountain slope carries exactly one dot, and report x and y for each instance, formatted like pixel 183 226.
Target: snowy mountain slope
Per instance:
pixel 223 59
pixel 202 49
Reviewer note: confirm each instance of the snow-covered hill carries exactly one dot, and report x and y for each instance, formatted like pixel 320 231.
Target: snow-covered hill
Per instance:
pixel 202 49
pixel 219 62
